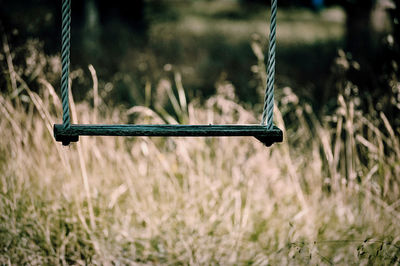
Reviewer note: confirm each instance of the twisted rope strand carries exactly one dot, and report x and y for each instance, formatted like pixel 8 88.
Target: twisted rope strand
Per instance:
pixel 268 110
pixel 65 59
pixel 267 116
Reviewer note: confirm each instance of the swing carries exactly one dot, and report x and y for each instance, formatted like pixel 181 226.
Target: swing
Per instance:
pixel 266 132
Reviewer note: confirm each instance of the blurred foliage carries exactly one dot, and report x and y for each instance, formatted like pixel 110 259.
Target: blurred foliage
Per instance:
pixel 329 194
pixel 209 42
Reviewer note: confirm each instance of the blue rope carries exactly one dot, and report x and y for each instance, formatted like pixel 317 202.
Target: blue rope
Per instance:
pixel 268 110
pixel 267 117
pixel 65 60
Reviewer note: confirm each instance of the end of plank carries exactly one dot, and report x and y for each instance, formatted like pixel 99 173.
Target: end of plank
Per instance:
pixel 268 141
pixel 61 135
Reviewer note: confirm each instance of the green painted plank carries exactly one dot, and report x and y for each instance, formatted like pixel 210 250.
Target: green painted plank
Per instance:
pixel 258 131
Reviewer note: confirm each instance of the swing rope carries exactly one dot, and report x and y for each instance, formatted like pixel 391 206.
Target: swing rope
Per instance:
pixel 268 112
pixel 65 60
pixel 266 132
pixel 268 109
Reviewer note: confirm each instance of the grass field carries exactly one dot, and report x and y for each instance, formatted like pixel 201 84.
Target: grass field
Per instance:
pixel 329 194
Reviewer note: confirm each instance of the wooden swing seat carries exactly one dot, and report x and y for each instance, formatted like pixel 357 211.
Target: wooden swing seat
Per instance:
pixel 260 132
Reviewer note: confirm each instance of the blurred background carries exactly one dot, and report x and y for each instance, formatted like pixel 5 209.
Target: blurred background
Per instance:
pixel 328 194
pixel 134 43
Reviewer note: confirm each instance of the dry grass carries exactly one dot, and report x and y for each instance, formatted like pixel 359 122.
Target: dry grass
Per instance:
pixel 328 195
